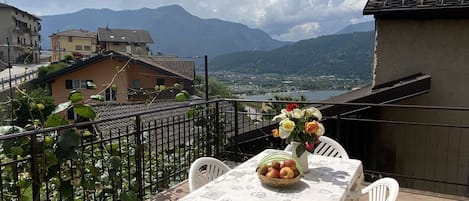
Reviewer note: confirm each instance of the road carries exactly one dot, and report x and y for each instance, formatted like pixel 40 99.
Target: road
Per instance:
pixel 18 70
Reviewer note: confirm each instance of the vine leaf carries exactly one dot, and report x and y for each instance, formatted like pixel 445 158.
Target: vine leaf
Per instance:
pixel 90 85
pixel 55 120
pixel 68 141
pixel 128 196
pixel 61 107
pixel 84 110
pixel 300 149
pixel 114 162
pixel 75 96
pixel 97 97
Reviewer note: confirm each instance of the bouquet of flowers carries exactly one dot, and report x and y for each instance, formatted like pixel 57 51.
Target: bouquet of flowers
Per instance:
pixel 299 125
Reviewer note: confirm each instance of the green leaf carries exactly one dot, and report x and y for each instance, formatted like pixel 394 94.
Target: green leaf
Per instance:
pixel 16 150
pixel 68 141
pixel 97 97
pixel 178 86
pixel 300 149
pixel 181 97
pixel 90 85
pixel 61 107
pixel 186 93
pixel 114 162
pixel 55 120
pixel 84 110
pixel 75 96
pixel 87 133
pixel 93 170
pixel 66 189
pixel 128 196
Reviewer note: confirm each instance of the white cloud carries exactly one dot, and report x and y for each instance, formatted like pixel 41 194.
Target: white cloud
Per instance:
pixel 279 18
pixel 307 30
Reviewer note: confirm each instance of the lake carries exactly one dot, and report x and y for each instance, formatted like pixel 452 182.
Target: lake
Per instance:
pixel 310 95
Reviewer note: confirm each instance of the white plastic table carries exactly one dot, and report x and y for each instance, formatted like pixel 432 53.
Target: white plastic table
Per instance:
pixel 328 179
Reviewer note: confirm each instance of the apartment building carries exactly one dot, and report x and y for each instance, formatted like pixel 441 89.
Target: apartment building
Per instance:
pixel 78 43
pixel 131 41
pixel 22 30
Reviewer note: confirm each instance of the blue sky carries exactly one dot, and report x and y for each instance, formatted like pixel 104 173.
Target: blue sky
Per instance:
pixel 288 20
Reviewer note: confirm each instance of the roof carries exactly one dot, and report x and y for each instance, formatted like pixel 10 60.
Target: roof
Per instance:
pixel 386 93
pixel 186 68
pixel 76 32
pixel 2 5
pixel 124 35
pixel 440 8
pixel 110 54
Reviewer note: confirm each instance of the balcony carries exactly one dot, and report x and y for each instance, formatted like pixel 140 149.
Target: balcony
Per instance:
pixel 138 152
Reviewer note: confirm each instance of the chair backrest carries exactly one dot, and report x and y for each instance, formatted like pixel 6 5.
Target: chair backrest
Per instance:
pixel 327 147
pixel 385 189
pixel 331 148
pixel 204 170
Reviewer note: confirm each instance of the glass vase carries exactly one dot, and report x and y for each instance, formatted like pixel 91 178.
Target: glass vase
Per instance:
pixel 303 159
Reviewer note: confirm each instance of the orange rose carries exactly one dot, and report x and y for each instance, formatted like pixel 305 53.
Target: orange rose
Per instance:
pixel 275 133
pixel 311 127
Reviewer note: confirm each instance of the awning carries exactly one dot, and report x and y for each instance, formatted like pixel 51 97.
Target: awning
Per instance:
pixel 403 88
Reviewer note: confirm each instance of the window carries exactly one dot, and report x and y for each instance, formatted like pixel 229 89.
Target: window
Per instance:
pixel 70 39
pixel 78 47
pixel 77 84
pixel 136 84
pixel 128 49
pixel 139 50
pixel 159 82
pixel 110 95
pixel 87 48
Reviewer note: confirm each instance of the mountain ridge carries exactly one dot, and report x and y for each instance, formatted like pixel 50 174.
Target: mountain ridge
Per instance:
pixel 345 55
pixel 174 30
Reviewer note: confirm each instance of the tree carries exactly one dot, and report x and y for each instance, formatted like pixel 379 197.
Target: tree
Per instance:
pixel 215 88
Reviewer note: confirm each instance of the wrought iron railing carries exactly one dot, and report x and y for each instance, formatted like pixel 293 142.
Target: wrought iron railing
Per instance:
pixel 152 150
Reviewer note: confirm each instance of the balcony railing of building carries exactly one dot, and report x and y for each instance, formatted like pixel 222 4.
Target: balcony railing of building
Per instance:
pixel 137 155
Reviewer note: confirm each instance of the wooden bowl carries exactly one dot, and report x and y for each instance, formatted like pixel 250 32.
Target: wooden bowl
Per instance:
pixel 278 182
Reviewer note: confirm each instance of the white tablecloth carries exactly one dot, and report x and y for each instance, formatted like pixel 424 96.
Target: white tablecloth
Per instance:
pixel 328 179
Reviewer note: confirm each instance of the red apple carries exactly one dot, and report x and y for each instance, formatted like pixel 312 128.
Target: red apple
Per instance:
pixel 289 163
pixel 276 165
pixel 272 173
pixel 287 173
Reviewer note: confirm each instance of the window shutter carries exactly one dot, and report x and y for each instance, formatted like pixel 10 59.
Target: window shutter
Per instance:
pixel 68 84
pixel 70 114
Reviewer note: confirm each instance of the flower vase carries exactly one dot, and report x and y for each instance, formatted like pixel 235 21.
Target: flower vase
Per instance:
pixel 303 159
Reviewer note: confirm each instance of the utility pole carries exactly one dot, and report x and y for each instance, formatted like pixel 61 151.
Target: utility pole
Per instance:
pixel 9 72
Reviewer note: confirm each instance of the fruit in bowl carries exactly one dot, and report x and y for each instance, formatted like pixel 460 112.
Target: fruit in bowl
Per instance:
pixel 279 169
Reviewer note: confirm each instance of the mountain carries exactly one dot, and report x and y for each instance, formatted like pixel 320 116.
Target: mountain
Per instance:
pixel 174 30
pixel 359 27
pixel 345 55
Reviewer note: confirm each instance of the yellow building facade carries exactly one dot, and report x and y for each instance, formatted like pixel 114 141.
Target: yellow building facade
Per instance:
pixel 77 43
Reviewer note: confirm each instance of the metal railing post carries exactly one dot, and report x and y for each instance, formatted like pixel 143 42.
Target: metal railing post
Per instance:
pixel 236 124
pixel 217 130
pixel 337 133
pixel 35 169
pixel 139 156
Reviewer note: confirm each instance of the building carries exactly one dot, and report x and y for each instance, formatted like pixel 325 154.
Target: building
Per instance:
pixel 22 30
pixel 134 77
pixel 131 41
pixel 76 42
pixel 420 61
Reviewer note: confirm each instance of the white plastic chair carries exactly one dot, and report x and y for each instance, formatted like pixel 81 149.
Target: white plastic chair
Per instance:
pixel 204 170
pixel 327 147
pixel 385 189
